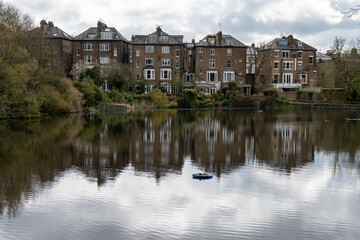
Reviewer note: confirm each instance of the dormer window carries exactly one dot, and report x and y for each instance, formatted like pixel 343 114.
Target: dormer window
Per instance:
pixel 91 35
pixel 283 42
pixel 163 38
pixel 106 35
pixel 299 44
pixel 212 41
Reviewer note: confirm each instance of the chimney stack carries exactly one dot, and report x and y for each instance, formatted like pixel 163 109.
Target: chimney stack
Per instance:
pixel 51 24
pixel 43 24
pixel 219 37
pixel 291 39
pixel 158 31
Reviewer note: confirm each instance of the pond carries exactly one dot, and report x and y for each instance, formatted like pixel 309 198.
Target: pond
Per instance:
pixel 277 175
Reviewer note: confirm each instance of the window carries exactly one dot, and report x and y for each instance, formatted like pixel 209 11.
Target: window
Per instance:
pixel 212 51
pixel 212 76
pixel 212 41
pixel 283 42
pixel 149 61
pixel 78 52
pixel 163 38
pixel 149 49
pixel 276 78
pixel 200 71
pixel 228 63
pixel 137 64
pixel 240 72
pixel 104 60
pixel 166 61
pixel 247 68
pixel 106 35
pixel 276 65
pixel 228 41
pixel 212 63
pixel 229 52
pixel 138 53
pixel 177 53
pixel 165 74
pixel 88 59
pixel 300 66
pixel 115 52
pixel 149 73
pixel 89 47
pixel 299 44
pixel 300 54
pixel 285 54
pixel 201 58
pixel 165 49
pixel 288 65
pixel 240 59
pixel 200 50
pixel 311 59
pixel 137 77
pixel 252 68
pixel 177 65
pixel 104 47
pixel 303 78
pixel 287 78
pixel 276 53
pixel 229 76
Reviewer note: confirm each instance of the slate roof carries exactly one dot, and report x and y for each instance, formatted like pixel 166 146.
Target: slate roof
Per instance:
pixel 153 38
pixel 93 31
pixel 284 43
pixel 226 40
pixel 56 32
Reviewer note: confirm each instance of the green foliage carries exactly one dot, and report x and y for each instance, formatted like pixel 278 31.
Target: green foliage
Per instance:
pixel 92 93
pixel 172 104
pixel 118 75
pixel 188 98
pixel 120 97
pixel 159 98
pixel 241 101
pixel 94 74
pixel 272 92
pixel 226 103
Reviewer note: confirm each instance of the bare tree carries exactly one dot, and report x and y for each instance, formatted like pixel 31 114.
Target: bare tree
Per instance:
pixel 352 11
pixel 260 55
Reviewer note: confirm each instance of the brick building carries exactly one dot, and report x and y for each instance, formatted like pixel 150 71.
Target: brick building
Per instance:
pixel 157 59
pixel 99 45
pixel 293 66
pixel 219 59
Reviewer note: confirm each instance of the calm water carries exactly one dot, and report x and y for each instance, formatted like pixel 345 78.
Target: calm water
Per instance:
pixel 286 175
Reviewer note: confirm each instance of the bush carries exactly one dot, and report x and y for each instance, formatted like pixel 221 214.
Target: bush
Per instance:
pixel 159 98
pixel 226 103
pixel 92 94
pixel 272 92
pixel 172 104
pixel 242 101
pixel 188 98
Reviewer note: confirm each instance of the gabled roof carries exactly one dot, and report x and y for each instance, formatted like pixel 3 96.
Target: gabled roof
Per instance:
pixel 94 33
pixel 220 41
pixel 56 32
pixel 157 37
pixel 289 43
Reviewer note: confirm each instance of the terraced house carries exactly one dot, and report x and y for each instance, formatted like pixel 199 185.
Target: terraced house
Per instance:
pixel 219 59
pixel 100 45
pixel 293 66
pixel 157 59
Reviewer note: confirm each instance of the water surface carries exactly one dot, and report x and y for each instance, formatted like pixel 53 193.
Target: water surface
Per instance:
pixel 284 175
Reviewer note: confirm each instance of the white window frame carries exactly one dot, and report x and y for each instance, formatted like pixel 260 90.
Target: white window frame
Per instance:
pixel 240 59
pixel 312 59
pixel 89 47
pixel 88 59
pixel 253 68
pixel 288 65
pixel 285 54
pixel 228 61
pixel 300 54
pixel 163 38
pixel 78 52
pixel 177 65
pixel 300 78
pixel 247 68
pixel 212 41
pixel 228 76
pixel 104 47
pixel 300 65
pixel 149 49
pixel 276 64
pixel 106 35
pixel 115 52
pixel 212 51
pixel 212 63
pixel 287 78
pixel 200 50
pixel 165 49
pixel 201 58
pixel 149 61
pixel 152 74
pixel 104 60
pixel 177 53
pixel 229 52
pixel 240 72
pixel 137 52
pixel 137 64
pixel 278 78
pixel 167 76
pixel 276 52
pixel 208 73
pixel 165 62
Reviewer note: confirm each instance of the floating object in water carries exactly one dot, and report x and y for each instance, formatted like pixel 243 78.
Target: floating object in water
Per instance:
pixel 202 175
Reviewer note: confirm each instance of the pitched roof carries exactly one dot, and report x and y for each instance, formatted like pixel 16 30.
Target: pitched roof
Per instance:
pixel 289 43
pixel 56 32
pixel 157 37
pixel 220 40
pixel 94 33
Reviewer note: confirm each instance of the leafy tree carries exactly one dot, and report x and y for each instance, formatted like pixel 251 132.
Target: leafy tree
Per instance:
pixel 159 98
pixel 188 98
pixel 92 94
pixel 118 75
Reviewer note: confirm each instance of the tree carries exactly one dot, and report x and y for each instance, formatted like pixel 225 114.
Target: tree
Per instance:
pixel 260 56
pixel 118 75
pixel 159 98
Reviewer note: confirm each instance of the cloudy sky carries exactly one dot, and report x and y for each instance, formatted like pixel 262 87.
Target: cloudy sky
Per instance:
pixel 315 22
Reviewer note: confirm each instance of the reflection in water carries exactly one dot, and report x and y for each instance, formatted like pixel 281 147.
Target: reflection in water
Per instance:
pixel 156 144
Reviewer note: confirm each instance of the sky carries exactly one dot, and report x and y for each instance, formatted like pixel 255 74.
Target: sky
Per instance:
pixel 315 22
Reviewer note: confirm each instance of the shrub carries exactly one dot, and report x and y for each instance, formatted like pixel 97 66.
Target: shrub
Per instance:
pixel 272 92
pixel 159 98
pixel 242 101
pixel 188 99
pixel 172 104
pixel 92 94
